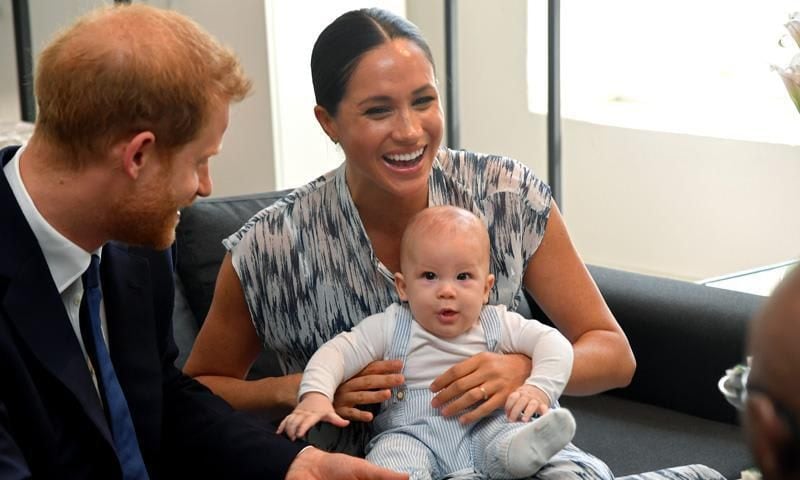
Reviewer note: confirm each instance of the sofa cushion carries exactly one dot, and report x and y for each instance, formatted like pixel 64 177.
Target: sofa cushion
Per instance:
pixel 634 437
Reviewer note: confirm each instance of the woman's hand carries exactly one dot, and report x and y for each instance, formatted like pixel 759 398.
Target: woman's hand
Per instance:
pixel 486 379
pixel 371 385
pixel 525 402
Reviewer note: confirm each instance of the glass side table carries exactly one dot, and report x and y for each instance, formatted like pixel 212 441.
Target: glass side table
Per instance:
pixel 758 281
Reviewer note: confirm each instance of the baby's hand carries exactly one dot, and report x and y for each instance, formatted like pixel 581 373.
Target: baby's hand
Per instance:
pixel 526 401
pixel 313 408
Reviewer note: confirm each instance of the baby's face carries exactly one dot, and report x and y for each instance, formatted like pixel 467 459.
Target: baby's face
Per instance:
pixel 446 281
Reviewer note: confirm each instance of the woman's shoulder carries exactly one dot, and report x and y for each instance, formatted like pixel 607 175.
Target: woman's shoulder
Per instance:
pixel 491 173
pixel 298 205
pixel 456 157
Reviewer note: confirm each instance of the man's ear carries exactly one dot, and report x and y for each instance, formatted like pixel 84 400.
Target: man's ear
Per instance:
pixel 400 284
pixel 767 434
pixel 137 152
pixel 327 123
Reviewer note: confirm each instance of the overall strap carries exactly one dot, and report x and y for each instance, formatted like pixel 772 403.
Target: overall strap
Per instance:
pixel 491 324
pixel 398 347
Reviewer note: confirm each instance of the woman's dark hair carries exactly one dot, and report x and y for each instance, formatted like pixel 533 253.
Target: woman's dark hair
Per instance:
pixel 340 46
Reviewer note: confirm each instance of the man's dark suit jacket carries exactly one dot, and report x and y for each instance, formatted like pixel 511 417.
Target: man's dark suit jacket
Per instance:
pixel 51 421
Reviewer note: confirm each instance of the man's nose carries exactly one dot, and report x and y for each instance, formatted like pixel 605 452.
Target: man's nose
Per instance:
pixel 204 184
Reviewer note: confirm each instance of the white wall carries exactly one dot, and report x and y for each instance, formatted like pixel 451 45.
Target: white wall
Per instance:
pixel 9 93
pixel 679 205
pixel 245 164
pixel 46 18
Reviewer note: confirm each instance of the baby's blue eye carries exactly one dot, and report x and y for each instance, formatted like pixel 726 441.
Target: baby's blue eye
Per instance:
pixel 429 276
pixel 464 276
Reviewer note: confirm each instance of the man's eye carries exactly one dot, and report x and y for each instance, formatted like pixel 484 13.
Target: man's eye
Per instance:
pixel 429 276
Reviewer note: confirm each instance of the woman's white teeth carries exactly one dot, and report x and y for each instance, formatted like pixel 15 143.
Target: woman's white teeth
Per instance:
pixel 406 157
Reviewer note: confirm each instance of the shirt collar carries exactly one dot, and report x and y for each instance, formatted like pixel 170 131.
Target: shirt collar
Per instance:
pixel 66 260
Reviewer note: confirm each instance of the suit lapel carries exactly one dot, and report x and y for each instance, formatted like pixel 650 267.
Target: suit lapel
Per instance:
pixel 32 303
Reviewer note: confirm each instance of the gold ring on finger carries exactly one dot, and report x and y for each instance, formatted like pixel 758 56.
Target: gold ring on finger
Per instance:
pixel 485 395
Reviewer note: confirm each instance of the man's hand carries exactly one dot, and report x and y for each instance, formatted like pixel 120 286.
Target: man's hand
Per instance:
pixel 525 402
pixel 313 408
pixel 371 385
pixel 486 378
pixel 314 464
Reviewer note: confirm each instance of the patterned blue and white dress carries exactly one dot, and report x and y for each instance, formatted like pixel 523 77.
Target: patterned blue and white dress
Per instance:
pixel 308 269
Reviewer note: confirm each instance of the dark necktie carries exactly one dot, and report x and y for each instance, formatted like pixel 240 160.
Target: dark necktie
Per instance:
pixel 117 411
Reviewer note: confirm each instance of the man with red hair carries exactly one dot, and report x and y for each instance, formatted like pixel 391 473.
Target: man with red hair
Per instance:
pixel 133 102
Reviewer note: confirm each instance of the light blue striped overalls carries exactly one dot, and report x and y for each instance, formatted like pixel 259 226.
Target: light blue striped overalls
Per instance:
pixel 416 438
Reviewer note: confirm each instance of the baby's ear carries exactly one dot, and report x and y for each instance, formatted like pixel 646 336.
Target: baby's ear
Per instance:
pixel 488 287
pixel 400 284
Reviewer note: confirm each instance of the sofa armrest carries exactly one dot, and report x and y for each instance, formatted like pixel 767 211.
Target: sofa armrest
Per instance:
pixel 684 337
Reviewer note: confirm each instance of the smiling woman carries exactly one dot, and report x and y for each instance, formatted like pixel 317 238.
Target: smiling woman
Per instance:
pixel 389 122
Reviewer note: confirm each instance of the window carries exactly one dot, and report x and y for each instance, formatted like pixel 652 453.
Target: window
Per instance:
pixel 683 66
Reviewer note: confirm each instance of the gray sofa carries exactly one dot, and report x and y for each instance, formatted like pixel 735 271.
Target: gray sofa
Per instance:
pixel 684 336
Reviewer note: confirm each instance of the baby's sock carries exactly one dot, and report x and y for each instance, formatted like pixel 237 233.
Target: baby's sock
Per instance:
pixel 533 445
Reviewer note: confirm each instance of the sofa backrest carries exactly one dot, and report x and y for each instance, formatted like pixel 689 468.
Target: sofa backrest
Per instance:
pixel 199 237
pixel 684 336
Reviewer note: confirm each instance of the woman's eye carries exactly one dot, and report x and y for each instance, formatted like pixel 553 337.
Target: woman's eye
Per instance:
pixel 463 276
pixel 377 111
pixel 424 101
pixel 429 276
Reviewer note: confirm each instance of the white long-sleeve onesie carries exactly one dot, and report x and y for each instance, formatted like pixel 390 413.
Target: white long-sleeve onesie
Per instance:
pixel 429 356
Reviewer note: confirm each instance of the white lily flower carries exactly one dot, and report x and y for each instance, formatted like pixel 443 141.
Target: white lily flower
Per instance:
pixel 791 79
pixel 794 27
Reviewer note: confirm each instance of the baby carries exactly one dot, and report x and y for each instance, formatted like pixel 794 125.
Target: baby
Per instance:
pixel 444 284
